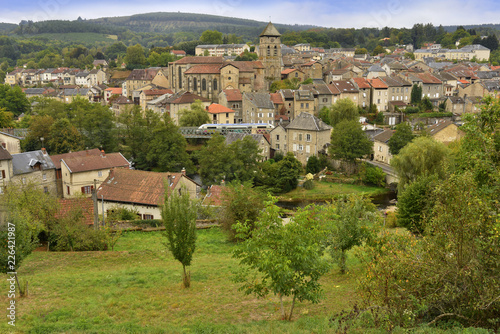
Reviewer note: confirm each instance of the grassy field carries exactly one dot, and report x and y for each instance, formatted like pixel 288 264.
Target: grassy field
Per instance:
pixel 137 289
pixel 329 190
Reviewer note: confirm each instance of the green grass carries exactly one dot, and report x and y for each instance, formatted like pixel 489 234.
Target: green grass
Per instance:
pixel 137 289
pixel 328 191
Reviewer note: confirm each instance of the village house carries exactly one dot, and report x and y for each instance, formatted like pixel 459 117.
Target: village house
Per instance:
pixel 445 131
pixel 220 114
pixel 347 90
pixel 36 168
pixel 379 94
pixel 304 102
pixel 10 142
pixel 81 173
pixel 381 151
pixel 364 88
pixel 142 191
pixel 232 99
pixel 182 100
pixel 121 104
pixel 307 135
pixel 278 139
pixel 139 78
pixel 258 108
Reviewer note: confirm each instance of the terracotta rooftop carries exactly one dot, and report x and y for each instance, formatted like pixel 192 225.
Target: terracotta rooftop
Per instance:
pixel 157 92
pixel 214 195
pixel 216 108
pixel 115 91
pixel 56 159
pixel 362 83
pixel 233 95
pixel 204 69
pixel 288 71
pixel 95 162
pixel 85 204
pixel 377 83
pixel 136 186
pixel 276 98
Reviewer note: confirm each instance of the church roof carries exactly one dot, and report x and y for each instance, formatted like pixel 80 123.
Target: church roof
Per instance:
pixel 270 30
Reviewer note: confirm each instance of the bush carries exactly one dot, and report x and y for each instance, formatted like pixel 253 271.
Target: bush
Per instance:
pixel 308 185
pixel 412 110
pixel 117 213
pixel 372 175
pixel 80 238
pixel 149 222
pixel 313 165
pixel 391 220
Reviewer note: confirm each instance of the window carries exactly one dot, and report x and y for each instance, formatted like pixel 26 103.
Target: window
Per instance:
pixel 301 148
pixel 44 177
pixel 277 146
pixel 325 99
pixel 203 84
pixel 364 94
pixel 268 50
pixel 300 136
pixel 277 137
pixel 308 149
pixel 2 174
pixel 67 190
pixel 99 173
pixel 180 77
pixel 270 115
pixel 229 78
pixel 148 217
pixel 195 84
pixel 275 51
pixel 302 105
pixel 308 137
pixel 215 84
pixel 87 190
pixel 380 148
pixel 307 105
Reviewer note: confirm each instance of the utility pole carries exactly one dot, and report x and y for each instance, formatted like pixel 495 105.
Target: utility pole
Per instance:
pixel 96 208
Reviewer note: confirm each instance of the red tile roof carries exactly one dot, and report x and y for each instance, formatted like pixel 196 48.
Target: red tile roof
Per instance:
pixel 345 86
pixel 136 186
pixel 428 78
pixel 362 83
pixel 95 162
pixel 377 83
pixel 204 69
pixel 216 108
pixel 288 71
pixel 276 98
pixel 122 100
pixel 214 195
pixel 179 52
pixel 157 92
pixel 68 205
pixel 56 159
pixel 233 95
pixel 334 89
pixel 115 91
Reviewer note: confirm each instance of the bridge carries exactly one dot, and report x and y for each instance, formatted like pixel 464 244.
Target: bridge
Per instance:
pixel 194 132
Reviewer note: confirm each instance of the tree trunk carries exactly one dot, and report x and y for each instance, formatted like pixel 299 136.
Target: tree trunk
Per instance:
pixel 186 277
pixel 291 308
pixel 342 263
pixel 283 315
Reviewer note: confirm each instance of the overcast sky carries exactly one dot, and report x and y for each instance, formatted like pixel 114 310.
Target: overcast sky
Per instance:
pixel 339 13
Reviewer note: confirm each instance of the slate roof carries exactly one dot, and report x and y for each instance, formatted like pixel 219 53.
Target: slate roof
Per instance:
pixel 260 100
pixel 306 121
pixel 384 136
pixel 86 163
pixel 345 86
pixel 270 30
pixel 23 162
pixel 122 100
pixel 440 125
pixel 186 97
pixel 375 68
pixel 204 69
pixel 137 186
pixel 147 74
pixel 157 92
pixel 4 154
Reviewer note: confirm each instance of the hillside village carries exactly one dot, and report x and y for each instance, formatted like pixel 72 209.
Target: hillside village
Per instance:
pixel 269 117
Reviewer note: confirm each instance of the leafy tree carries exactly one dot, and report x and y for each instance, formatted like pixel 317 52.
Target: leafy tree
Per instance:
pixel 343 109
pixel 115 50
pixel 241 203
pixel 39 128
pixel 313 165
pixel 215 161
pixel 378 50
pixel 349 219
pixel 13 100
pixel 422 157
pixel 372 175
pixel 247 56
pixel 415 203
pixel 135 57
pixel 348 141
pixel 64 137
pixel 245 161
pixel 211 37
pixel 286 173
pixel 361 51
pixel 6 118
pixel 426 104
pixel 179 214
pixel 402 136
pixel 196 115
pixel 416 94
pixel 285 260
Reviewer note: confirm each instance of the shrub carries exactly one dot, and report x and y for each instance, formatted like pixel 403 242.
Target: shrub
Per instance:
pixel 308 185
pixel 412 110
pixel 118 213
pixel 372 175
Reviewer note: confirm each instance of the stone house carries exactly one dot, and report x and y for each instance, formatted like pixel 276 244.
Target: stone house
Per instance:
pixel 397 89
pixel 182 100
pixel 121 104
pixel 346 88
pixel 304 102
pixel 142 191
pixel 258 108
pixel 379 94
pixel 278 139
pixel 381 152
pixel 34 167
pixel 220 114
pixel 307 135
pixel 293 73
pixel 364 88
pixel 445 131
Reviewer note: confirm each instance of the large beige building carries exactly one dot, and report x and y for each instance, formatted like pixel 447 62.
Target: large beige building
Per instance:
pixel 468 52
pixel 220 50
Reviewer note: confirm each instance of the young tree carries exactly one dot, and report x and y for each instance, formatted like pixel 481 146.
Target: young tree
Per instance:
pixel 286 260
pixel 416 94
pixel 402 136
pixel 211 37
pixel 349 142
pixel 64 137
pixel 349 220
pixel 196 115
pixel 179 214
pixel 135 57
pixel 313 165
pixel 287 173
pixel 342 110
pixel 241 203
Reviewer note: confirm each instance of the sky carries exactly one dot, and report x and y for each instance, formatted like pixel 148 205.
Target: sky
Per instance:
pixel 336 13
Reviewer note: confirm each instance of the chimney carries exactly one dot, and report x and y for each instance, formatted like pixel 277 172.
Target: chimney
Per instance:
pixel 183 171
pixel 103 154
pixel 44 151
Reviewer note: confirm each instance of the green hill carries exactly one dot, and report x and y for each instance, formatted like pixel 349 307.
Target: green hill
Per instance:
pixel 7 27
